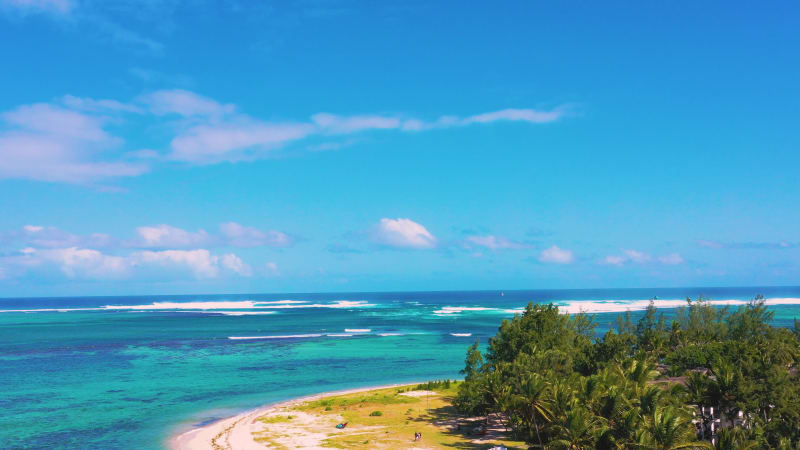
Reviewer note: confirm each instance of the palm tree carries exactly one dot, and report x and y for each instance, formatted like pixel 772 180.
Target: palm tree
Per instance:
pixel 696 387
pixel 579 430
pixel 531 402
pixel 734 439
pixel 669 429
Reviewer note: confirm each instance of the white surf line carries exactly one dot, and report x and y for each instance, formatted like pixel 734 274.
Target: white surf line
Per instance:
pixel 49 310
pixel 357 330
pixel 611 306
pixel 461 334
pixel 287 336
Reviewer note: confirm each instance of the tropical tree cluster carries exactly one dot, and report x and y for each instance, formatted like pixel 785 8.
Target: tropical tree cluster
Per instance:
pixel 649 384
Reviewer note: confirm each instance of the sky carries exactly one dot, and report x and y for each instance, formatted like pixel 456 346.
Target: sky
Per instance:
pixel 187 147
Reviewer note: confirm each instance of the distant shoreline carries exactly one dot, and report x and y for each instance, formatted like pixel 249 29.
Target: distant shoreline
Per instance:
pixel 234 430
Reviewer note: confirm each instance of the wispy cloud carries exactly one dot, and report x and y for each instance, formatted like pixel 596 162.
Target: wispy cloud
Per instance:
pixel 495 243
pixel 671 259
pixel 101 105
pixel 94 16
pixel 556 255
pixel 59 7
pixel 220 133
pixel 166 236
pixel 184 103
pixel 638 257
pixel 516 115
pixel 242 236
pixel 781 245
pixel 162 236
pixel 52 237
pixel 68 140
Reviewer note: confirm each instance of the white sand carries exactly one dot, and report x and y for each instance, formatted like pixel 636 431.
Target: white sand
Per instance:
pixel 236 433
pixel 418 393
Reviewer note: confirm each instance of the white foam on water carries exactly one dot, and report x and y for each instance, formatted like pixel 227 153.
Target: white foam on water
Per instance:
pixel 287 336
pixel 357 330
pixel 241 313
pixel 461 334
pixel 48 310
pixel 459 309
pixel 282 302
pixel 611 306
pixel 339 335
pixel 240 304
pixel 206 311
pixel 244 304
pixel 391 334
pixel 335 305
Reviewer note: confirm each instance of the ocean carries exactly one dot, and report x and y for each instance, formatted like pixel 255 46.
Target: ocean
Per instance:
pixel 128 372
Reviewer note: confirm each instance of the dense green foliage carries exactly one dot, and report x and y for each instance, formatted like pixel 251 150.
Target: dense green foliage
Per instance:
pixel 432 385
pixel 556 385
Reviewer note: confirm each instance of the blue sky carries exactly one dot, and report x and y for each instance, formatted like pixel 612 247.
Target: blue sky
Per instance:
pixel 154 147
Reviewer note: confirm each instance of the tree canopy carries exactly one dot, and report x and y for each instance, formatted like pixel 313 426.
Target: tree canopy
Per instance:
pixel 642 385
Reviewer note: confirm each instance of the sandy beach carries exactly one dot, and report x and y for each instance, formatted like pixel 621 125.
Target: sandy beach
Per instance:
pixel 237 432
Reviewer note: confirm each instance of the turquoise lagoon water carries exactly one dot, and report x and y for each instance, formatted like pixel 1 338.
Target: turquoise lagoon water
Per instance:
pixel 128 372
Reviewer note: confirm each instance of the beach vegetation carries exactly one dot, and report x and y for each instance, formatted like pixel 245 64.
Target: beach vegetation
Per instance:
pixel 703 377
pixel 276 419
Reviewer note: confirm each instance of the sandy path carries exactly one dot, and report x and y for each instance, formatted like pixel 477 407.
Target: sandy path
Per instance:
pixel 236 433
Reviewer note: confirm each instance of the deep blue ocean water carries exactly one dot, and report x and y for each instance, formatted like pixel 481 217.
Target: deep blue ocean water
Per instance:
pixel 128 372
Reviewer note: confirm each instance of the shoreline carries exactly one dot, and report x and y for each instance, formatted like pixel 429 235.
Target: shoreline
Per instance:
pixel 234 432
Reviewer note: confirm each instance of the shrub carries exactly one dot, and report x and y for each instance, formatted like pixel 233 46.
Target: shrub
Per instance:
pixel 376 413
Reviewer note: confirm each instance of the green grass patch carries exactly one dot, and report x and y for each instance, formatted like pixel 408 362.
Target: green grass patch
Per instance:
pixel 275 419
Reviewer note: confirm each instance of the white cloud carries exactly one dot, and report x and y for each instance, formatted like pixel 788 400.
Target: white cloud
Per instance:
pixel 710 244
pixel 556 255
pixel 84 263
pixel 235 264
pixel 213 143
pixel 69 142
pixel 404 233
pixel 342 124
pixel 671 259
pixel 242 236
pixel 37 236
pixel 185 103
pixel 57 121
pixel 102 105
pixel 51 143
pixel 495 242
pixel 80 263
pixel 229 136
pixel 614 260
pixel 637 257
pixel 49 6
pixel 168 236
pixel 271 269
pixel 519 115
pixel 201 263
